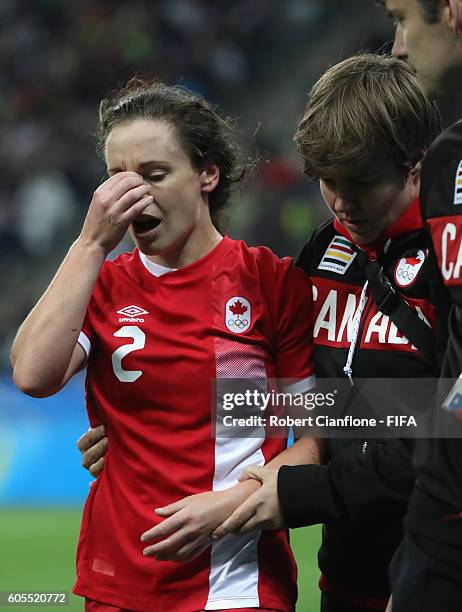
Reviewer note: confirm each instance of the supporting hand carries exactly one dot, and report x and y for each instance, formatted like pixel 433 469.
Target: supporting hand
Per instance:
pixel 261 510
pixel 93 445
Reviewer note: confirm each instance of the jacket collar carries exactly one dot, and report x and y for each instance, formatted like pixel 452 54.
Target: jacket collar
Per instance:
pixel 410 221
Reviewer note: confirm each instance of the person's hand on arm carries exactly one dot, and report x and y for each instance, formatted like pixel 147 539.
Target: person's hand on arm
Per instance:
pixel 189 523
pixel 45 353
pixel 186 529
pixel 262 510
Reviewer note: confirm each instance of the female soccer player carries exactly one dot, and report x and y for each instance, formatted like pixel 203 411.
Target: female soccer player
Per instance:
pixel 155 327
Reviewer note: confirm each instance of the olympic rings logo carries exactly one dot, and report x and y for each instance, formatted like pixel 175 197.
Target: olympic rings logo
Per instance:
pixel 406 275
pixel 240 323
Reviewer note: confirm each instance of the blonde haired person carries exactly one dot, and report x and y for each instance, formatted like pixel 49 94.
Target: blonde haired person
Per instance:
pixel 365 131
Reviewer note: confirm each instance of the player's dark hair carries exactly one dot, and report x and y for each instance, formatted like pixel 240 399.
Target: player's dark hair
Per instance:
pixel 364 109
pixel 430 9
pixel 203 133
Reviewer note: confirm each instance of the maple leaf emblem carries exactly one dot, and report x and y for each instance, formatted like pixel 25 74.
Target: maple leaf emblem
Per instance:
pixel 411 261
pixel 238 308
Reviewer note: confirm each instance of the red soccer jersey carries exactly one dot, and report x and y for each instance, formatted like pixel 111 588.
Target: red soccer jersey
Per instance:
pixel 158 340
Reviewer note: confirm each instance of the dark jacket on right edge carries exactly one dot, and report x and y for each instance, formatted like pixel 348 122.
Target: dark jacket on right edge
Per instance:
pixel 435 510
pixel 361 493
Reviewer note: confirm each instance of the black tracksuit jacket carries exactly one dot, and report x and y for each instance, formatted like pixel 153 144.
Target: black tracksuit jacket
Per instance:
pixel 361 492
pixel 435 510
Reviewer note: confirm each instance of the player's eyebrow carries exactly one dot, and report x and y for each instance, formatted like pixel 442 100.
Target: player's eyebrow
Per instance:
pixel 142 166
pixel 151 162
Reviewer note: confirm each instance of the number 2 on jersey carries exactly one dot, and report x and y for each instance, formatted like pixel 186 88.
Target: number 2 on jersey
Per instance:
pixel 139 341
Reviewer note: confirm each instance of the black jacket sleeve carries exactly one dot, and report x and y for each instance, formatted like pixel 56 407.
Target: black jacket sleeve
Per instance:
pixel 369 478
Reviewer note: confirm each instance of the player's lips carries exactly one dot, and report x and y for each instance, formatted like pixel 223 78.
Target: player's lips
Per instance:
pixel 353 223
pixel 145 226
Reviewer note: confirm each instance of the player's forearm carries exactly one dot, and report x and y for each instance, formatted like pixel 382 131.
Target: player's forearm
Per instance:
pixel 240 492
pixel 45 342
pixel 303 451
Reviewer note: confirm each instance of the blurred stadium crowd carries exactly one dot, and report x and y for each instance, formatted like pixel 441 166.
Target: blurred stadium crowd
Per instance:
pixel 256 59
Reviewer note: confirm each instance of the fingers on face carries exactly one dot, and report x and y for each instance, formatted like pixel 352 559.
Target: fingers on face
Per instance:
pixel 130 197
pixel 122 193
pixel 136 208
pixel 122 181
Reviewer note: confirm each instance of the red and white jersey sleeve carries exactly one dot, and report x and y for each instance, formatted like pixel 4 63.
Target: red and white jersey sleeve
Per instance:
pixel 289 294
pixel 158 341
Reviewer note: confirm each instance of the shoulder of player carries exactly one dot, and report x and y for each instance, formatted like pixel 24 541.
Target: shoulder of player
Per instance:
pixel 120 264
pixel 273 271
pixel 266 259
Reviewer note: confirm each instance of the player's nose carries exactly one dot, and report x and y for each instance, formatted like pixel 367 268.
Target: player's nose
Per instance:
pixel 399 47
pixel 345 204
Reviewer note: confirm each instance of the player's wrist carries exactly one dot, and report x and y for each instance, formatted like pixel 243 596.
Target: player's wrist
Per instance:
pixel 90 247
pixel 247 487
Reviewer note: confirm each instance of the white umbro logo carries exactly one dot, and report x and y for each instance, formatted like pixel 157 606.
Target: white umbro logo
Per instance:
pixel 131 313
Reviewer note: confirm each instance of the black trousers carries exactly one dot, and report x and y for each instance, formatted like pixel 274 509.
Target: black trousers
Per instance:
pixel 426 576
